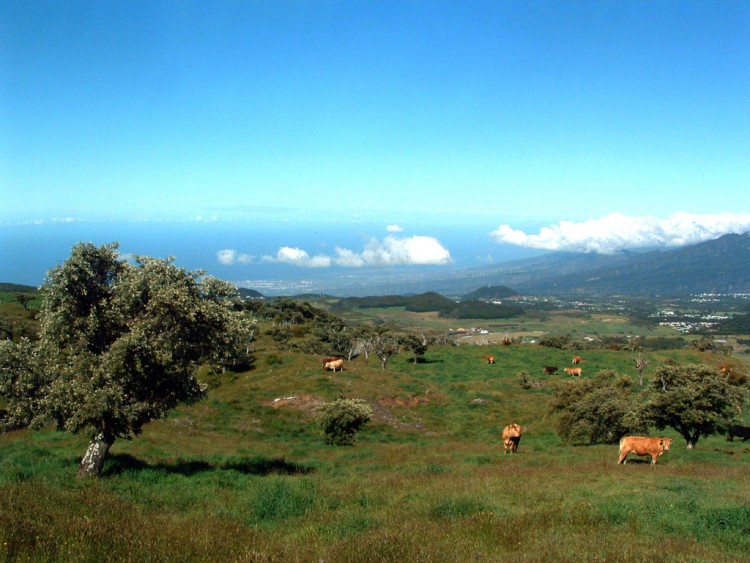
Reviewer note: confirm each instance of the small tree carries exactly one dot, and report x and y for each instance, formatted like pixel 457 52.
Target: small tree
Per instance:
pixel 695 400
pixel 384 345
pixel 341 420
pixel 598 410
pixel 119 346
pixel 417 343
pixel 24 299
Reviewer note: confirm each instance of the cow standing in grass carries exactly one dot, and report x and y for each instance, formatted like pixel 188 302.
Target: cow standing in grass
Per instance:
pixel 511 438
pixel 736 430
pixel 334 364
pixel 640 445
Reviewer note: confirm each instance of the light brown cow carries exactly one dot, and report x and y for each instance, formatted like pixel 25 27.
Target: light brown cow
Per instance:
pixel 574 371
pixel 334 365
pixel 640 445
pixel 511 438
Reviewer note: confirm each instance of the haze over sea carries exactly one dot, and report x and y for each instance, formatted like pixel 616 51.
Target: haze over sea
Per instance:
pixel 27 251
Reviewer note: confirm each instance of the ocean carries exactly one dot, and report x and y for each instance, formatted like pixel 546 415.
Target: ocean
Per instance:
pixel 28 251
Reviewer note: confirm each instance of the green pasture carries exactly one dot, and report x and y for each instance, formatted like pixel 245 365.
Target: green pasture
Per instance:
pixel 245 475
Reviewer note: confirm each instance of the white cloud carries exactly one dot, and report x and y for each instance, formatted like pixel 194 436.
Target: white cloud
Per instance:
pixel 616 232
pixel 392 251
pixel 298 257
pixel 229 257
pixel 394 229
pixel 416 250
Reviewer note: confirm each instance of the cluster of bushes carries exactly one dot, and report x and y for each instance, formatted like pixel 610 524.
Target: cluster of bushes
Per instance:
pixel 694 400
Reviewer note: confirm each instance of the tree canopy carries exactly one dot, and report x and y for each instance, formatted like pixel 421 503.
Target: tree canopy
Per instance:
pixel 597 410
pixel 695 400
pixel 120 343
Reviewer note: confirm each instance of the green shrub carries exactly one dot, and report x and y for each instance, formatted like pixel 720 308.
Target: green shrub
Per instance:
pixel 595 411
pixel 341 420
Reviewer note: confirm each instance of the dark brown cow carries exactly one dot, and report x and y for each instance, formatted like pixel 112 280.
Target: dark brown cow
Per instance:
pixel 641 445
pixel 735 430
pixel 511 438
pixel 549 370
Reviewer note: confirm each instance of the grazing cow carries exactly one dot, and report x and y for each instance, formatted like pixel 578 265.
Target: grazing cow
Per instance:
pixel 574 371
pixel 640 445
pixel 506 341
pixel 725 369
pixel 490 359
pixel 338 363
pixel 738 431
pixel 577 360
pixel 549 370
pixel 511 438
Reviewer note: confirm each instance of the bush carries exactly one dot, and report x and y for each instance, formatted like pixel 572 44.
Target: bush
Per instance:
pixel 341 420
pixel 595 411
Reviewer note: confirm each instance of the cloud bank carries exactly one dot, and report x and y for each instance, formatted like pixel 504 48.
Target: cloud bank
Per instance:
pixel 391 251
pixel 230 257
pixel 616 232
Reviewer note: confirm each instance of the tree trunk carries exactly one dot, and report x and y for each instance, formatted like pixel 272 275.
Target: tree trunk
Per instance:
pixel 692 441
pixel 93 460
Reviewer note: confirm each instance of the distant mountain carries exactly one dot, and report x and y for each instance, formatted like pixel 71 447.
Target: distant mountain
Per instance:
pixel 249 293
pixel 491 292
pixel 432 301
pixel 717 266
pixel 17 288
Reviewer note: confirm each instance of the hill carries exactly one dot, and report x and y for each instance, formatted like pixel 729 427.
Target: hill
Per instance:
pixel 246 293
pixel 491 292
pixel 17 288
pixel 717 266
pixel 433 302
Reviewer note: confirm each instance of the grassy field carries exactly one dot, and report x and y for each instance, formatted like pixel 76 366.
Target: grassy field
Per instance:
pixel 245 475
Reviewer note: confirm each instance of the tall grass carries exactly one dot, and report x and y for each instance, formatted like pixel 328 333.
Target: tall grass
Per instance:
pixel 234 479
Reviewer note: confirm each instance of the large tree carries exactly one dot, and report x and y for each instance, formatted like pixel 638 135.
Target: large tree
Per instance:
pixel 119 346
pixel 695 400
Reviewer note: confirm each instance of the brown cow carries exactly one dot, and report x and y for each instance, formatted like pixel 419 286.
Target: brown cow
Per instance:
pixel 574 371
pixel 511 438
pixel 640 445
pixel 549 370
pixel 577 360
pixel 490 359
pixel 339 363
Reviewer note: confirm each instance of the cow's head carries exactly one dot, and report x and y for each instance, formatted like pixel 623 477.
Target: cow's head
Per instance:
pixel 665 443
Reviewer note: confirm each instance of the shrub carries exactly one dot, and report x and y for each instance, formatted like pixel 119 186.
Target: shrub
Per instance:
pixel 595 411
pixel 341 420
pixel 560 342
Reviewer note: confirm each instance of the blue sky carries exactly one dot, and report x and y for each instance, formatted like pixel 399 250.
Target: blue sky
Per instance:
pixel 543 125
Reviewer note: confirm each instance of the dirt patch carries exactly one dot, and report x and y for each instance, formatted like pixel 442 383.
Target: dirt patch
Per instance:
pixel 409 401
pixel 301 402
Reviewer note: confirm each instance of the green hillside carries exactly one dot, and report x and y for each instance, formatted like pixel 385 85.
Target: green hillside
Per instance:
pixel 245 474
pixel 432 302
pixel 491 292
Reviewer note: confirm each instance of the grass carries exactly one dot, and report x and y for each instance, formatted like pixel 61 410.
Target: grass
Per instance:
pixel 234 478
